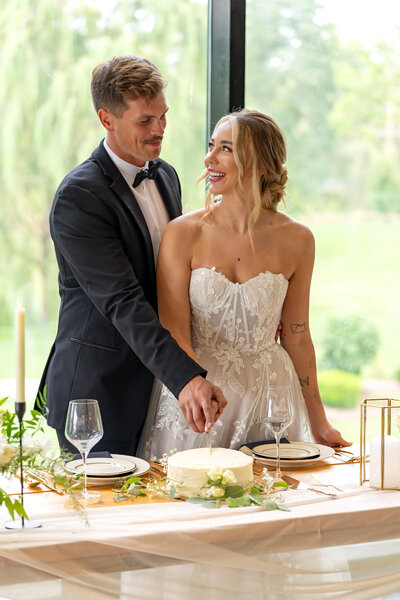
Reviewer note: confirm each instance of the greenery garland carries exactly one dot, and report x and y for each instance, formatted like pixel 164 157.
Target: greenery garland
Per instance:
pixel 35 458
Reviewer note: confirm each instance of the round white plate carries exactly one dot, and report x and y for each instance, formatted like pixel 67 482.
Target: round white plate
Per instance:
pixel 293 451
pixel 142 466
pixel 325 452
pixel 118 464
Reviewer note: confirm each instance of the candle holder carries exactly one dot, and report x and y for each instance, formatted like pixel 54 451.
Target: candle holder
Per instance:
pixel 384 463
pixel 23 523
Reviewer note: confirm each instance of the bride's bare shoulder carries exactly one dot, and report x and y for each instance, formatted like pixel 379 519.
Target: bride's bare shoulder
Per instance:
pixel 187 225
pixel 297 230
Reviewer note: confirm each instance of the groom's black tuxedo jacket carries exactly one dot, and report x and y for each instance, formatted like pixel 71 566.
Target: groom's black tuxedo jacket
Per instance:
pixel 109 341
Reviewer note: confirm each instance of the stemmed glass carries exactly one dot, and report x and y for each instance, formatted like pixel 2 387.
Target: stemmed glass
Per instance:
pixel 83 428
pixel 279 415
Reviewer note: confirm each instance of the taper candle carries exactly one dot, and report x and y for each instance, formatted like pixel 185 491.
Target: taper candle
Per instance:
pixel 20 353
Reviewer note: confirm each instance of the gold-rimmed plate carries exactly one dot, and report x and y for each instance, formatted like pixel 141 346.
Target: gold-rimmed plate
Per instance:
pixel 324 453
pixel 116 464
pixel 292 451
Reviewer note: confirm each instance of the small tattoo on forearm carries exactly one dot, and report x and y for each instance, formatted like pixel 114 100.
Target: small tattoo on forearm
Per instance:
pixel 298 327
pixel 305 381
pixel 311 364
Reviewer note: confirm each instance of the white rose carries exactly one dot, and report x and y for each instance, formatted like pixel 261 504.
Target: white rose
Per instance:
pixel 228 477
pixel 29 445
pixel 45 446
pixel 7 453
pixel 215 492
pixel 214 473
pixel 35 445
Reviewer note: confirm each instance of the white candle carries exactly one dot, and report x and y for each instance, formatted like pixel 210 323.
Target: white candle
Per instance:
pixel 20 353
pixel 392 462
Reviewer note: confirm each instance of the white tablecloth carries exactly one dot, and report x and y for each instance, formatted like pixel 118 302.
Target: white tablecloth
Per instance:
pixel 347 547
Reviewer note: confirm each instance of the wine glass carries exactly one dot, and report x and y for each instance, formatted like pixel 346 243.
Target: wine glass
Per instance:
pixel 279 415
pixel 83 428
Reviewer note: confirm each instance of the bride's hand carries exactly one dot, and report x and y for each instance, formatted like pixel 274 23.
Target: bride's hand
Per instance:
pixel 329 436
pixel 202 403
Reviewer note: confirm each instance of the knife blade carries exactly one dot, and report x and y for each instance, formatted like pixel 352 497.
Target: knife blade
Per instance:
pixel 300 485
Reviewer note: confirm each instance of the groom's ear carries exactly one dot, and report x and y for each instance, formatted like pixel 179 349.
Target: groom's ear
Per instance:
pixel 106 119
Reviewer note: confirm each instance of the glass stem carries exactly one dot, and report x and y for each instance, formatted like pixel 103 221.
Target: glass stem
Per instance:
pixel 84 457
pixel 278 458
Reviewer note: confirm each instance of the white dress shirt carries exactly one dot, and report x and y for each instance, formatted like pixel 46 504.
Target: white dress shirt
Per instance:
pixel 147 196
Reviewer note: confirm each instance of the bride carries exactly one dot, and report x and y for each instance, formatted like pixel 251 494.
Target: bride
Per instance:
pixel 226 276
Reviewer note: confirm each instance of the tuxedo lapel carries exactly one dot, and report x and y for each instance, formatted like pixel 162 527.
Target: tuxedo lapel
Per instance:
pixel 119 187
pixel 168 193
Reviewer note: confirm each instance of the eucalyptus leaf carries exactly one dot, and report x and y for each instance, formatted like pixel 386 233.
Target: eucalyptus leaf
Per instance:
pixel 239 502
pixel 233 491
pixel 269 504
pixel 257 499
pixel 212 504
pixel 196 500
pixel 133 479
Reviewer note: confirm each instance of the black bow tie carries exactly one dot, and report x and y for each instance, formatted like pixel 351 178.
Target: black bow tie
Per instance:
pixel 149 173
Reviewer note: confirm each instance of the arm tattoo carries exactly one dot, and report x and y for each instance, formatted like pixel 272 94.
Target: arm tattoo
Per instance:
pixel 298 327
pixel 305 381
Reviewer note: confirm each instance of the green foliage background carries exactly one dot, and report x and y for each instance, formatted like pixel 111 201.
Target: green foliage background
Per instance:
pixel 48 52
pixel 339 388
pixel 338 104
pixel 350 343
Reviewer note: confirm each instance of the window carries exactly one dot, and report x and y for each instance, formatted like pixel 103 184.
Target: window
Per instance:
pixel 328 72
pixel 49 126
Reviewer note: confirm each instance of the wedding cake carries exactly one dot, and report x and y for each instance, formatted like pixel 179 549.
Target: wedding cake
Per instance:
pixel 191 471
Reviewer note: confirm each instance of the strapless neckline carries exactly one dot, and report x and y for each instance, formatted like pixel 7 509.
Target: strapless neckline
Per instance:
pixel 236 283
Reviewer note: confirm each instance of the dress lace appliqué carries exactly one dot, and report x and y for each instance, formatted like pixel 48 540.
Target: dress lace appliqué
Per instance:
pixel 233 329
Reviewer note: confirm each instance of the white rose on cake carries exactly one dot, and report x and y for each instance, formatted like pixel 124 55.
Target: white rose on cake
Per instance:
pixel 228 477
pixel 214 474
pixel 215 492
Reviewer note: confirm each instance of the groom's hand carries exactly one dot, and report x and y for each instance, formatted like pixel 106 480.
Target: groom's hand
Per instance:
pixel 202 403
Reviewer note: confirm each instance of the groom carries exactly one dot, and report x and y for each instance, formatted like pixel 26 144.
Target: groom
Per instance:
pixel 106 223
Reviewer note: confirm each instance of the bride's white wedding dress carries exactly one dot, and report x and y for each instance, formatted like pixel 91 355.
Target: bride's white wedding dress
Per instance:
pixel 233 329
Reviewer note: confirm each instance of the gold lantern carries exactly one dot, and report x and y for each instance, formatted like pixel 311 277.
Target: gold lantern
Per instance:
pixel 384 467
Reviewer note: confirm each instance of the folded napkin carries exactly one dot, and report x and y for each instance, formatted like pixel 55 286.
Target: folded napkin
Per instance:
pixel 252 445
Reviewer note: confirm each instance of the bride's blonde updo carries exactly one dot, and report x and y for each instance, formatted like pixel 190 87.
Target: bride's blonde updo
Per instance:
pixel 259 143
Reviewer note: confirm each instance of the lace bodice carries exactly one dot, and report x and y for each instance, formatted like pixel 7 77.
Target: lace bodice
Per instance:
pixel 241 316
pixel 233 329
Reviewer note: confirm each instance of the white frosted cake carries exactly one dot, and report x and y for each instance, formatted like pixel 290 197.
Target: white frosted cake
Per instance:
pixel 189 470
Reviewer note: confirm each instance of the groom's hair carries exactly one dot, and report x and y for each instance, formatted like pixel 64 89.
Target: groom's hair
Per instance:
pixel 124 78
